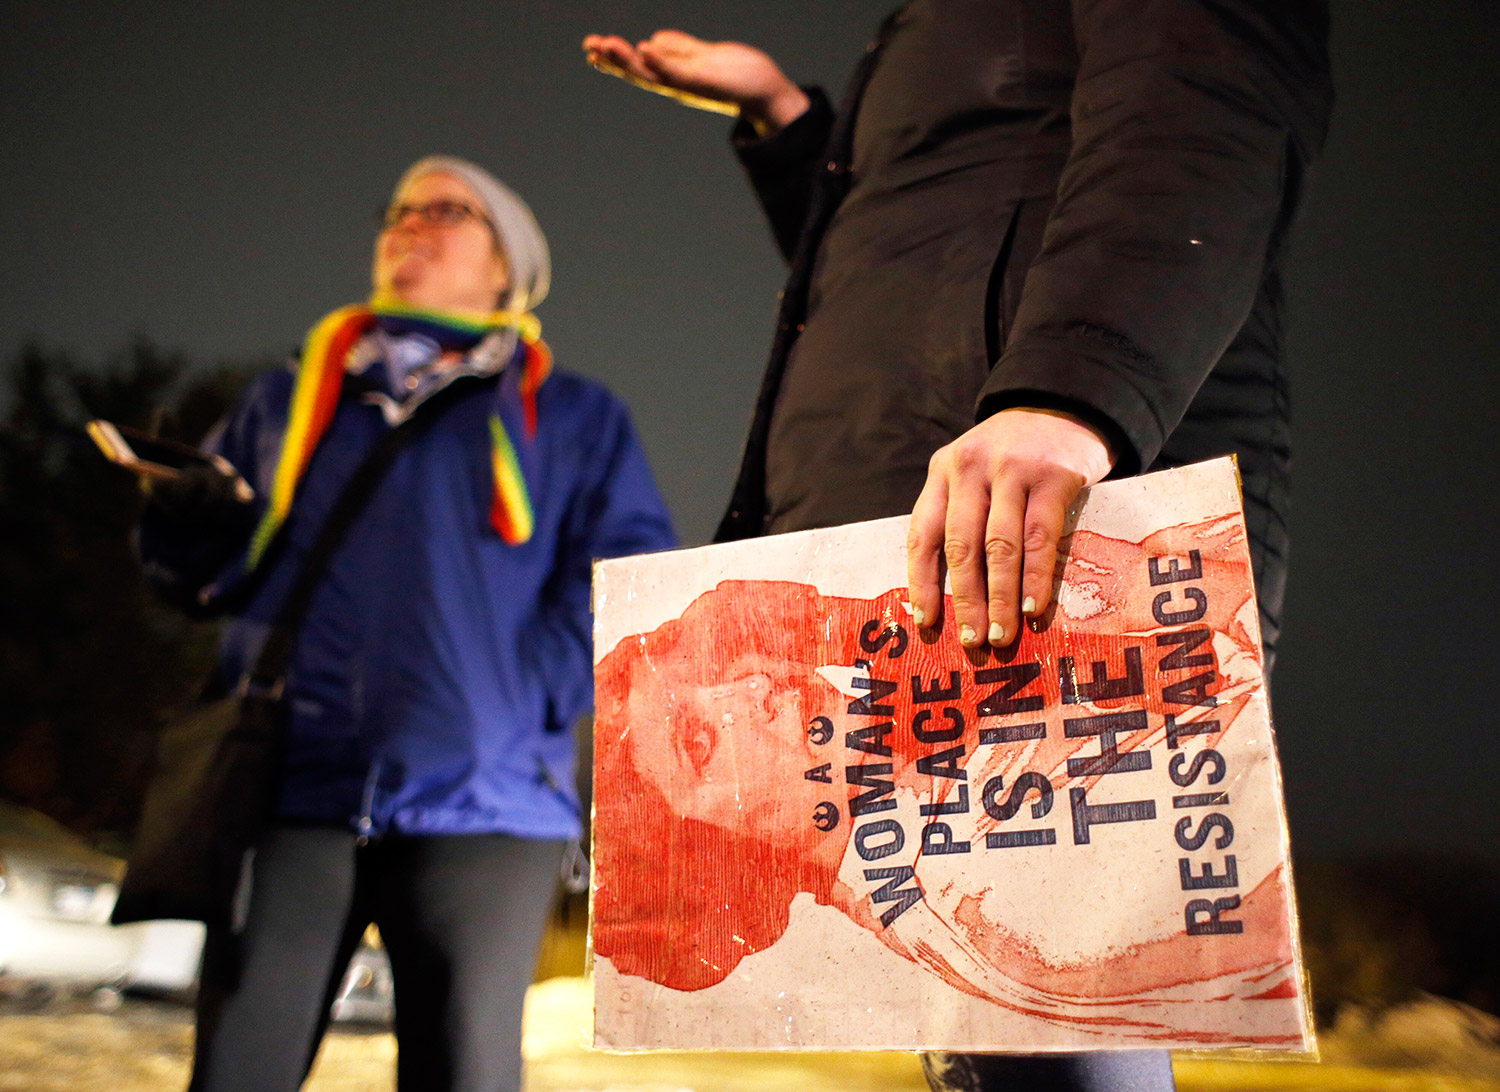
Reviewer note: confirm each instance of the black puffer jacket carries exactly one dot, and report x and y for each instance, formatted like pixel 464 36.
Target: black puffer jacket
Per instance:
pixel 1076 206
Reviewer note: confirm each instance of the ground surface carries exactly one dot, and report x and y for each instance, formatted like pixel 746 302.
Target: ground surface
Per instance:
pixel 1431 1046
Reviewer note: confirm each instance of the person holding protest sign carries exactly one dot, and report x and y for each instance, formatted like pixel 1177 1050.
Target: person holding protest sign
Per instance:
pixel 440 658
pixel 1067 222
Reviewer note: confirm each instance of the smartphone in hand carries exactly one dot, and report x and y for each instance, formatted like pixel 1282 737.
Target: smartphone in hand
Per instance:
pixel 687 98
pixel 152 457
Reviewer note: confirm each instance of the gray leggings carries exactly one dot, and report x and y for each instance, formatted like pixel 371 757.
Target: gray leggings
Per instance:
pixel 460 917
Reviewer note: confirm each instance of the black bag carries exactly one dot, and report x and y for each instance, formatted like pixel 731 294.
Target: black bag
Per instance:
pixel 218 766
pixel 216 773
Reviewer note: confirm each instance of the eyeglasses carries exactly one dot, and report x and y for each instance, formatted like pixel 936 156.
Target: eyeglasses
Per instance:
pixel 436 213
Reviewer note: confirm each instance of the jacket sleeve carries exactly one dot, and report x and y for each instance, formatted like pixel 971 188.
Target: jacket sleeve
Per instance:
pixel 191 563
pixel 782 166
pixel 1191 123
pixel 616 511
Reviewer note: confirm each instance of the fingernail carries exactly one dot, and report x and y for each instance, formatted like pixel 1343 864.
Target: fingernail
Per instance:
pixel 966 635
pixel 919 616
pixel 1028 605
pixel 997 633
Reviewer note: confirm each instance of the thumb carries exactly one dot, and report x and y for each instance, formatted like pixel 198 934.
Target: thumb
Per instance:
pixel 672 45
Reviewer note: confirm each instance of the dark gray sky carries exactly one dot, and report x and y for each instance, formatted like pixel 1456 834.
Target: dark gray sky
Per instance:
pixel 205 174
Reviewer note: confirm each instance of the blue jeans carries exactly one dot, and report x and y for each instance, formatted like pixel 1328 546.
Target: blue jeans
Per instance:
pixel 1114 1071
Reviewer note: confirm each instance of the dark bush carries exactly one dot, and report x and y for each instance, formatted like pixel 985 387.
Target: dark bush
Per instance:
pixel 1378 931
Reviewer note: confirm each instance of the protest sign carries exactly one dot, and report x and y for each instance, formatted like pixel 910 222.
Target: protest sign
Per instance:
pixel 819 827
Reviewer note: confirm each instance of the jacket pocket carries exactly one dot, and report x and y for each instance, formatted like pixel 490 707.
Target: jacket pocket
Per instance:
pixel 999 308
pixel 1018 249
pixel 963 326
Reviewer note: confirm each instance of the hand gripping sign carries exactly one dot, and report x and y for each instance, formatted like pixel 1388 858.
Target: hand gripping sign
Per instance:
pixel 818 827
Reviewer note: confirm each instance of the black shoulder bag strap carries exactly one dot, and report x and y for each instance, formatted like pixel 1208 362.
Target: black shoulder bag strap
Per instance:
pixel 269 673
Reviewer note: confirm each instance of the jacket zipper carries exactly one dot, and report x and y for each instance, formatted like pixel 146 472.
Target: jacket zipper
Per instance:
pixel 366 824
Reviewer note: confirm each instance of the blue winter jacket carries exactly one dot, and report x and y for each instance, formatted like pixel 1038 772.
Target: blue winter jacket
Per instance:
pixel 439 670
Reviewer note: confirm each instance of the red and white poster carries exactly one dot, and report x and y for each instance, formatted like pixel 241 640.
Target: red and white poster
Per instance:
pixel 818 827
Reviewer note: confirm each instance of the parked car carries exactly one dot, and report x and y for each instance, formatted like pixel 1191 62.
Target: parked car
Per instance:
pixel 55 897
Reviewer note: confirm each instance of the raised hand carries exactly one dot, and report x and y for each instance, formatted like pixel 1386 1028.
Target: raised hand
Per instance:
pixel 994 508
pixel 725 71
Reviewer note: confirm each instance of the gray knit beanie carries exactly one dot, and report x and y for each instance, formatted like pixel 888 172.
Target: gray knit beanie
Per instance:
pixel 522 240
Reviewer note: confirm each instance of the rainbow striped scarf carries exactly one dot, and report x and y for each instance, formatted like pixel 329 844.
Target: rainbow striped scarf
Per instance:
pixel 320 378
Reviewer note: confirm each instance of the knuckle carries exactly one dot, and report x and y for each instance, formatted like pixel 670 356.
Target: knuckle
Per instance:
pixel 1036 584
pixel 1004 612
pixel 958 553
pixel 967 458
pixel 923 538
pixel 1038 538
pixel 1060 484
pixel 1008 464
pixel 1000 551
pixel 966 605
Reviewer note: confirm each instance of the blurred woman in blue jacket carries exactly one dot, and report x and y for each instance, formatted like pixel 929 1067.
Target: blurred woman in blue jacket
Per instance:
pixel 428 778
